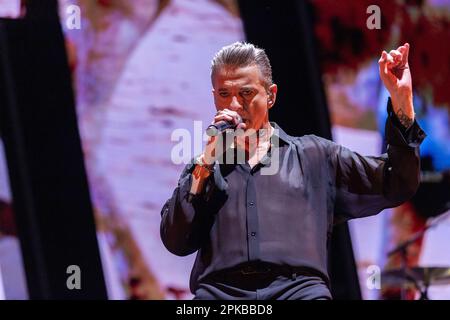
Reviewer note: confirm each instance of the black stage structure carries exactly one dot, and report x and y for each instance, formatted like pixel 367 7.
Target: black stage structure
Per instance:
pixel 49 186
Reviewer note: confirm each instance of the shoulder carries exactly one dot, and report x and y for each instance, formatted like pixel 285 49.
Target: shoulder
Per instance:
pixel 311 143
pixel 312 148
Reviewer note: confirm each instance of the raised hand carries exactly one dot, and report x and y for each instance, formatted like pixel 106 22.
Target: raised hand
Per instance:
pixel 396 77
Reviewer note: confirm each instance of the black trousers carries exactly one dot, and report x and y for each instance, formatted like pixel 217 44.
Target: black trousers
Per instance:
pixel 262 286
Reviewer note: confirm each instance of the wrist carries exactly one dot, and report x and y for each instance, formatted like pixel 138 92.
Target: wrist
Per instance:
pixel 199 175
pixel 202 168
pixel 402 100
pixel 204 161
pixel 403 108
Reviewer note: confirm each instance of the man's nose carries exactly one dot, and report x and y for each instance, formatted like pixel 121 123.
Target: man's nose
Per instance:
pixel 235 104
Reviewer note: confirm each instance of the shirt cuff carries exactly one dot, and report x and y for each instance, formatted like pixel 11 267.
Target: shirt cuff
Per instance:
pixel 398 135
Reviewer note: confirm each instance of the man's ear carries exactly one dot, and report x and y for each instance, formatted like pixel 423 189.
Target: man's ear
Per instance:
pixel 272 92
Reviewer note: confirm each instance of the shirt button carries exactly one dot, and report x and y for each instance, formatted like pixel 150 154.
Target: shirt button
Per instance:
pixel 251 203
pixel 389 168
pixel 253 234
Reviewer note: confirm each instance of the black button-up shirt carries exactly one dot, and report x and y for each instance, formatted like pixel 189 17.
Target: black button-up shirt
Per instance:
pixel 286 218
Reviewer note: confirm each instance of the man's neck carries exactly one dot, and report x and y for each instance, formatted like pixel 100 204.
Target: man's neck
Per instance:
pixel 255 145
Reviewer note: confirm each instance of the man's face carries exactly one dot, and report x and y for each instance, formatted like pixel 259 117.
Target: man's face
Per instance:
pixel 242 90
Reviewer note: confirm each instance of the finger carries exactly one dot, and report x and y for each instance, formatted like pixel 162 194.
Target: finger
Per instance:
pixel 242 126
pixel 405 53
pixel 390 59
pixel 227 112
pixel 397 56
pixel 236 117
pixel 383 62
pixel 231 112
pixel 226 118
pixel 223 117
pixel 383 65
pixel 402 50
pixel 382 57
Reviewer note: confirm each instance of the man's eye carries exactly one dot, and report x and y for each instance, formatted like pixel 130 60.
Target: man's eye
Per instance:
pixel 223 94
pixel 246 92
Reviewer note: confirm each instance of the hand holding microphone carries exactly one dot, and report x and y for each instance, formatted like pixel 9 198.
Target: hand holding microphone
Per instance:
pixel 224 119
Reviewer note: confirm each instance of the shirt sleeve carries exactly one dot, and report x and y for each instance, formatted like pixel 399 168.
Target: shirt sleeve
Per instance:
pixel 365 185
pixel 186 219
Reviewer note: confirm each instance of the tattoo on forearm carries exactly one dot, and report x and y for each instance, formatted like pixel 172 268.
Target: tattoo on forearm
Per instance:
pixel 404 119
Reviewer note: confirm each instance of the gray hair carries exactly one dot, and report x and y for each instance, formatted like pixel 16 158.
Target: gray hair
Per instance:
pixel 242 54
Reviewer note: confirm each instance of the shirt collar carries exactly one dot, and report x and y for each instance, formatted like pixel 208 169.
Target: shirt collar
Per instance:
pixel 283 138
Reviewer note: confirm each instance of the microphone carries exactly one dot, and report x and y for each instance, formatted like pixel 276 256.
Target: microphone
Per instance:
pixel 219 127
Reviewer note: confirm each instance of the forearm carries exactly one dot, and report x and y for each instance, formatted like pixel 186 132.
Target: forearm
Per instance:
pixel 186 216
pixel 181 216
pixel 404 109
pixel 177 217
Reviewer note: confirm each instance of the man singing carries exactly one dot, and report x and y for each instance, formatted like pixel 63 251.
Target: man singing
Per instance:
pixel 266 236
